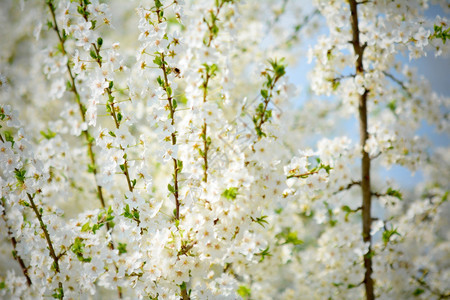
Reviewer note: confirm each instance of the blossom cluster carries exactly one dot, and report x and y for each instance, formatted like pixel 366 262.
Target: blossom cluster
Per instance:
pixel 155 149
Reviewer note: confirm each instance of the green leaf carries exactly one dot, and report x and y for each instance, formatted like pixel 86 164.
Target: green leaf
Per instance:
pixel 160 81
pixel 213 70
pixel 230 193
pixel 122 247
pixel 215 30
pixel 49 24
pixel 280 70
pixel 327 168
pixel 20 174
pixel 157 61
pixel 93 54
pixel 287 236
pixel 169 91
pixel 346 208
pixel 444 197
pixel 158 4
pixel 336 84
pixel 109 212
pixel 264 94
pixel 68 85
pixel 388 233
pixel 292 238
pixel 259 132
pixel 126 212
pixel 91 168
pixel 244 292
pixel 179 166
pixel 392 105
pixel 78 249
pixel 85 227
pixel 135 214
pixel 58 294
pixel 260 108
pixel 394 193
pixel 260 220
pixel 53 267
pixel 277 68
pixel 99 41
pixel 264 253
pixel 171 188
pixel 9 137
pixel 80 10
pixel 183 286
pixel 418 292
pixel 49 134
pixel 96 227
pixel 329 54
pixel 440 33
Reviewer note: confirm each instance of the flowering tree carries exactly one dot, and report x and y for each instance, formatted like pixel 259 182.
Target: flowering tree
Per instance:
pixel 154 149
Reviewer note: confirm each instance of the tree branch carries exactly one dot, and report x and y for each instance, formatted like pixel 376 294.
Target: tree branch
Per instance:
pixel 398 81
pixel 53 254
pixel 347 187
pixel 365 161
pixel 14 245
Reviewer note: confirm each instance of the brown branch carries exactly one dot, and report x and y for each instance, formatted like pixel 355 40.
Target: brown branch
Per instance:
pixel 113 115
pixel 205 91
pixel 53 254
pixel 214 19
pixel 204 131
pixel 262 118
pixel 347 187
pixel 378 195
pixel 398 81
pixel 184 294
pixel 302 24
pixel 172 115
pixel 46 234
pixel 16 256
pixel 205 151
pixel 302 175
pixel 430 289
pixel 82 109
pixel 365 161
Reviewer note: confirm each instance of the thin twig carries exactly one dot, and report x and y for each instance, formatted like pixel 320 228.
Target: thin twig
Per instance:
pixel 51 249
pixel 14 245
